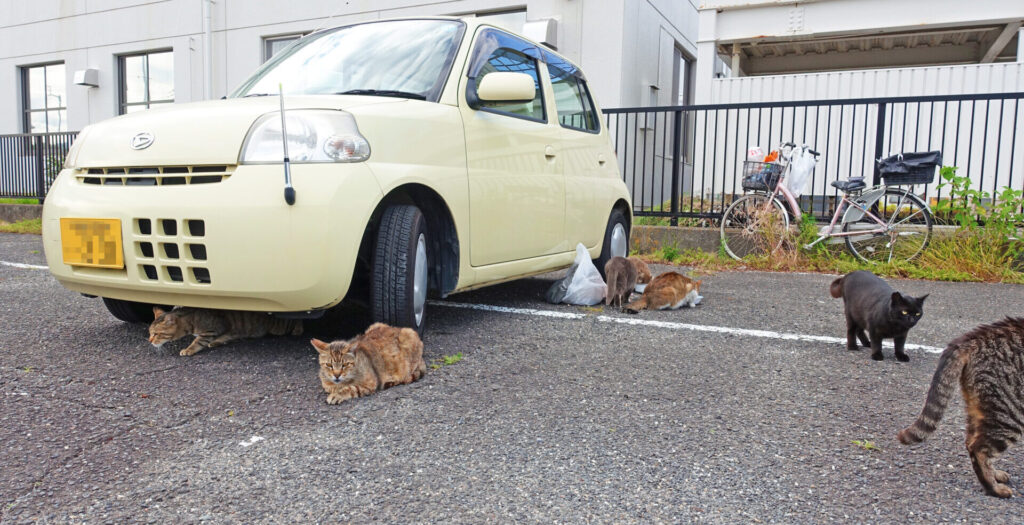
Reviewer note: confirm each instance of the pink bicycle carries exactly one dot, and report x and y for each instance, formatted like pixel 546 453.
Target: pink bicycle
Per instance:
pixel 879 224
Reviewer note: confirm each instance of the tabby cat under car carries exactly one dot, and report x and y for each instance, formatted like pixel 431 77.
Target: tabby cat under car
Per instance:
pixel 988 362
pixel 215 327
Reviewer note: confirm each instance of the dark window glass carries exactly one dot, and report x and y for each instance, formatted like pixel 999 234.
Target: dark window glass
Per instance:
pixel 45 98
pixel 146 80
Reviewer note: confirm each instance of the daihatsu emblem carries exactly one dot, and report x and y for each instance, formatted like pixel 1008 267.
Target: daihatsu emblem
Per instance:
pixel 142 141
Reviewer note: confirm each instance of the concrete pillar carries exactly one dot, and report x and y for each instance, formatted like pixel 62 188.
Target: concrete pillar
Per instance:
pixel 737 66
pixel 1020 45
pixel 706 54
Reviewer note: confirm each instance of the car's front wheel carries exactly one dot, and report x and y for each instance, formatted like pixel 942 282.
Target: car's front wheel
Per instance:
pixel 616 240
pixel 398 285
pixel 131 311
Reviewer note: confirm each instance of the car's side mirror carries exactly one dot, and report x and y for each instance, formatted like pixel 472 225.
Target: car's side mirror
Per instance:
pixel 506 86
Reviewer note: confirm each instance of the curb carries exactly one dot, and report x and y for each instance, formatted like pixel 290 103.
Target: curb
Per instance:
pixel 20 212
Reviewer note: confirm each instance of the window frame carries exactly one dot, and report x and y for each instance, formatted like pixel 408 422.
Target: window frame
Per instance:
pixel 505 40
pixel 122 81
pixel 585 98
pixel 267 40
pixel 26 96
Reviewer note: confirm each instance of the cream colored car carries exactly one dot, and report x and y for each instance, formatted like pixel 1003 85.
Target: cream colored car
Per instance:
pixel 425 156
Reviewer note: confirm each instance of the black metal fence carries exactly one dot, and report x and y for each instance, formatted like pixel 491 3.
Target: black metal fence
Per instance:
pixel 686 161
pixel 29 162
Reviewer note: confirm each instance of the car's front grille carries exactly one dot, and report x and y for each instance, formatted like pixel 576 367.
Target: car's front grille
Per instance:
pixel 154 176
pixel 171 250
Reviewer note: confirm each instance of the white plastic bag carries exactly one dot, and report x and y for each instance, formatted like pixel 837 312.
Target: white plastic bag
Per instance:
pixel 586 287
pixel 801 166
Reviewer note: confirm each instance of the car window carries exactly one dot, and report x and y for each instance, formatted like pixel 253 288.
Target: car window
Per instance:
pixel 497 50
pixel 575 109
pixel 505 59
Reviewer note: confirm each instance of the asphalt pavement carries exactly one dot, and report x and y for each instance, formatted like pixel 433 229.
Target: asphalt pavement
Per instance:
pixel 742 410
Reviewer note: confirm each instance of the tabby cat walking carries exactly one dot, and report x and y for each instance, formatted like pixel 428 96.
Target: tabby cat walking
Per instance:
pixel 988 362
pixel 382 357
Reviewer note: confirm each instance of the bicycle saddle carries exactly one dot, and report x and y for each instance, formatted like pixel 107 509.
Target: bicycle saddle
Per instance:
pixel 853 184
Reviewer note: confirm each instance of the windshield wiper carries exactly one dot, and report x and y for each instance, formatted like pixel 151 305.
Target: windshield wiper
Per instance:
pixel 383 93
pixel 258 95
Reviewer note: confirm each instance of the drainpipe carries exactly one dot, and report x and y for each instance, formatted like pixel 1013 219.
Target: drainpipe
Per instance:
pixel 207 51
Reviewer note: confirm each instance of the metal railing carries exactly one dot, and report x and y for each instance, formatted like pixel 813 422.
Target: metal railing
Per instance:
pixel 30 161
pixel 686 161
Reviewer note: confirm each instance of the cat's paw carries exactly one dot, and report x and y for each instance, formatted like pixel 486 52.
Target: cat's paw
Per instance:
pixel 1001 475
pixel 1001 490
pixel 903 358
pixel 334 399
pixel 188 351
pixel 853 348
pixel 877 357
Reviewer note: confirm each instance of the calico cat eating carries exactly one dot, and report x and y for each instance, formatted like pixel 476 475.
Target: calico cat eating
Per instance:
pixel 621 275
pixel 667 291
pixel 874 311
pixel 215 327
pixel 988 363
pixel 382 357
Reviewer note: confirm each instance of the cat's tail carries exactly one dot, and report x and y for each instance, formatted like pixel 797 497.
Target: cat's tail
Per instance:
pixel 635 306
pixel 612 287
pixel 836 289
pixel 944 382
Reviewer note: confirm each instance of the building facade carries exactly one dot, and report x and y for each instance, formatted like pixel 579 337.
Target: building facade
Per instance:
pixel 67 63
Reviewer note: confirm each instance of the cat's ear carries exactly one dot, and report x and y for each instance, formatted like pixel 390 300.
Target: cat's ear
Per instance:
pixel 920 300
pixel 157 312
pixel 897 298
pixel 319 345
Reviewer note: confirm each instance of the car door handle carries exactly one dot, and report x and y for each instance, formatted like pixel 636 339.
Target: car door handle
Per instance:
pixel 549 152
pixel 600 160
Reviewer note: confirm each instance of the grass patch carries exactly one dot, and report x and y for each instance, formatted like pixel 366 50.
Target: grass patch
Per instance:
pixel 19 201
pixel 866 445
pixel 26 226
pixel 446 360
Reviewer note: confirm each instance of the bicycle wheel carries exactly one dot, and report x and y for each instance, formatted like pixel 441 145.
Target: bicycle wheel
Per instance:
pixel 908 228
pixel 753 226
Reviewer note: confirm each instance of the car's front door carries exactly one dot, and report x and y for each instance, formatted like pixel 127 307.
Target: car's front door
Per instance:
pixel 513 153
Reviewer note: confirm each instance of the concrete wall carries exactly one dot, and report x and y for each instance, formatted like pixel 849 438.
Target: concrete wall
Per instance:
pixel 621 44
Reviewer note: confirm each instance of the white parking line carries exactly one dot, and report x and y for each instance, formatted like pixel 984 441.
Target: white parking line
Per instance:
pixel 26 266
pixel 767 334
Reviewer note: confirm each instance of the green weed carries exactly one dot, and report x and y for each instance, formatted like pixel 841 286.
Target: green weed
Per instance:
pixel 34 226
pixel 866 445
pixel 446 360
pixel 19 201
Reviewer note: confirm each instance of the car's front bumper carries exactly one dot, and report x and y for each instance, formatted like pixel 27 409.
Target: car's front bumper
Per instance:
pixel 260 253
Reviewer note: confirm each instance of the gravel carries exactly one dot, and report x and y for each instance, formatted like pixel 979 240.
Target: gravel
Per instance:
pixel 544 420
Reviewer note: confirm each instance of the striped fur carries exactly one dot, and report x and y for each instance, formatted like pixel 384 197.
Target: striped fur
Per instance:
pixel 667 291
pixel 382 357
pixel 989 362
pixel 215 327
pixel 621 275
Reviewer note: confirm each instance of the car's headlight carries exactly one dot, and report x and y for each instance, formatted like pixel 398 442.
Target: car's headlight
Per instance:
pixel 313 136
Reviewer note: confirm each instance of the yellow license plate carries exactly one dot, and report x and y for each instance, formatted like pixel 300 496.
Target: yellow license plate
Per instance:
pixel 92 242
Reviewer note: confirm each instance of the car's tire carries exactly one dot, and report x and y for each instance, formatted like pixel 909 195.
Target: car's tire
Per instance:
pixel 131 311
pixel 398 274
pixel 616 240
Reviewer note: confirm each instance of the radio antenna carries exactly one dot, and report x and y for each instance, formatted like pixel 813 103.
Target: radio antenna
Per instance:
pixel 289 191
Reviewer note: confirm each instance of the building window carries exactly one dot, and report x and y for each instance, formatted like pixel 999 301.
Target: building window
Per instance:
pixel 146 80
pixel 274 44
pixel 45 98
pixel 511 20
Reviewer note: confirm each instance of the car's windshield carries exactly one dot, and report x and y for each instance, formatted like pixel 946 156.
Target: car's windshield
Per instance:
pixel 409 58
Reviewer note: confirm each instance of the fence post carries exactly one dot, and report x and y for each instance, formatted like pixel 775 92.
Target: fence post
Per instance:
pixel 40 169
pixel 879 139
pixel 677 159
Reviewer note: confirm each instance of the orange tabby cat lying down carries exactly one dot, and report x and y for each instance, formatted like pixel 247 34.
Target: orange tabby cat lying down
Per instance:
pixel 667 291
pixel 382 357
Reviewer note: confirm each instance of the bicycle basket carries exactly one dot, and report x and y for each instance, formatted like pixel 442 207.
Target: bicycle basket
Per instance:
pixel 910 168
pixel 762 176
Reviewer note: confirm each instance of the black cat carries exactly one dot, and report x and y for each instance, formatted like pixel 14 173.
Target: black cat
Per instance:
pixel 873 307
